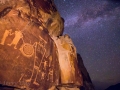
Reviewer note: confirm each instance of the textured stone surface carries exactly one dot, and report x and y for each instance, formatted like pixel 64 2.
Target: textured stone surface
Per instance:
pixel 28 55
pixel 68 61
pixel 36 10
pixel 33 54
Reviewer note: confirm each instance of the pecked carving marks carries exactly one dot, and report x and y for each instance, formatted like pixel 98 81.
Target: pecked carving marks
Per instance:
pixel 24 37
pixel 30 59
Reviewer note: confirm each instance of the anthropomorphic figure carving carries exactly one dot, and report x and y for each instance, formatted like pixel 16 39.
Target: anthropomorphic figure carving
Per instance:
pixel 18 36
pixel 6 34
pixel 45 59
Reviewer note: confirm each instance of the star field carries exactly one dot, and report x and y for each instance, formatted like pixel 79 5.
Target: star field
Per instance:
pixel 94 26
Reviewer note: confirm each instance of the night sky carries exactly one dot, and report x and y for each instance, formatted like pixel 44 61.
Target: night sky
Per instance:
pixel 94 26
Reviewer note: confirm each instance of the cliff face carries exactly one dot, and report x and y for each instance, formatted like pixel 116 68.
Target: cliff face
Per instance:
pixel 68 60
pixel 87 83
pixel 38 11
pixel 28 55
pixel 33 54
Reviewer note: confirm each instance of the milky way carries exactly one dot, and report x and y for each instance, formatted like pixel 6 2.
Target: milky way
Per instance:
pixel 94 26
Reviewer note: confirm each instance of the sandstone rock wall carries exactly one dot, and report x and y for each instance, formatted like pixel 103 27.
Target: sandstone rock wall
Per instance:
pixel 28 55
pixel 68 60
pixel 33 54
pixel 38 11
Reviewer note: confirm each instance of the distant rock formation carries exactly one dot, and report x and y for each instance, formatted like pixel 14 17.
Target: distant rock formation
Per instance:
pixel 87 83
pixel 34 55
pixel 114 87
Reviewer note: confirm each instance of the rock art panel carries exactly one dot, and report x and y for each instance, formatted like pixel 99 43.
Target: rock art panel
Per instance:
pixel 33 53
pixel 28 54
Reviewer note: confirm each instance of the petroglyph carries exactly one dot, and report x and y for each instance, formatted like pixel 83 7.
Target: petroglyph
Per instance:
pixel 41 45
pixel 50 60
pixel 27 50
pixel 50 75
pixel 42 75
pixel 18 36
pixel 6 34
pixel 21 77
pixel 45 65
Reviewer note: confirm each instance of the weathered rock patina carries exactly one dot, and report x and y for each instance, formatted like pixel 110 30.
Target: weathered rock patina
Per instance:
pixel 37 10
pixel 33 54
pixel 28 55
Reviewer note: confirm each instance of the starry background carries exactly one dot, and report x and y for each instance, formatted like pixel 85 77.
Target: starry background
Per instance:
pixel 94 26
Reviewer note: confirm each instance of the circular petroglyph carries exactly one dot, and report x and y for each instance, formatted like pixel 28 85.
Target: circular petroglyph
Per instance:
pixel 27 50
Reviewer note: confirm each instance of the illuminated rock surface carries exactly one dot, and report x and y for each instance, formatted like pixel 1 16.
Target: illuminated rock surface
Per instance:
pixel 33 54
pixel 27 53
pixel 67 60
pixel 36 10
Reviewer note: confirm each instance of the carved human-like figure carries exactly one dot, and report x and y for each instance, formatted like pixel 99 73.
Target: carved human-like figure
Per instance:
pixel 6 34
pixel 41 44
pixel 18 36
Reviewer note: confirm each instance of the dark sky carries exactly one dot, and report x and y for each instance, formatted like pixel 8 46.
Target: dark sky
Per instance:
pixel 94 26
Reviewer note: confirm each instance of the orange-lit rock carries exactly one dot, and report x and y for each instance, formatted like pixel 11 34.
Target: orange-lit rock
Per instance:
pixel 28 55
pixel 36 10
pixel 68 60
pixel 33 54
